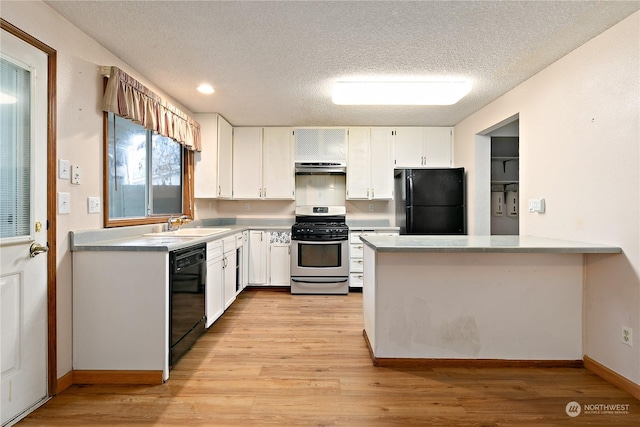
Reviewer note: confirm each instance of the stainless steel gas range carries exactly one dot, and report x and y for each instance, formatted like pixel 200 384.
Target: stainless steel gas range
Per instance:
pixel 320 251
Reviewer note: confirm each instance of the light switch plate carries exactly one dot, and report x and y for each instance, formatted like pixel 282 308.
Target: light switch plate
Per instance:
pixel 64 203
pixel 76 173
pixel 93 204
pixel 64 169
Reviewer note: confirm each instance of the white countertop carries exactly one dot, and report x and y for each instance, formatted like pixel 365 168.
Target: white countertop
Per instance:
pixel 480 244
pixel 133 238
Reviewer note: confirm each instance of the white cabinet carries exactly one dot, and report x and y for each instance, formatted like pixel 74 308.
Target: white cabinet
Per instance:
pixel 214 289
pixel 229 270
pixel 356 250
pixel 206 161
pixel 262 163
pixel 279 258
pixel 277 164
pixel 417 147
pixel 370 163
pixel 225 159
pixel 269 254
pixel 247 163
pixel 320 144
pixel 258 245
pixel 121 302
pixel 242 242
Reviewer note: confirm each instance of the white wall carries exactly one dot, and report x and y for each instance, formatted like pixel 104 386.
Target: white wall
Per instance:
pixel 79 128
pixel 579 149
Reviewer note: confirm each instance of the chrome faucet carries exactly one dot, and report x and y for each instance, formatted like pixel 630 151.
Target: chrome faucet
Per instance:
pixel 175 223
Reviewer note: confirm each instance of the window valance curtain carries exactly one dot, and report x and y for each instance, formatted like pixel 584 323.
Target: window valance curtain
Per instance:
pixel 128 98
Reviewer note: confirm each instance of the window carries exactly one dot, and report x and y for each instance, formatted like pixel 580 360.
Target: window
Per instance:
pixel 15 150
pixel 145 173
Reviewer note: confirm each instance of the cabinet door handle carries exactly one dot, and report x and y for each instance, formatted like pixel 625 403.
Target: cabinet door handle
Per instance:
pixel 219 190
pixel 373 193
pixel 264 191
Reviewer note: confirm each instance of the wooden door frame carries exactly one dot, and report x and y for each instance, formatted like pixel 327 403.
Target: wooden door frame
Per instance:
pixel 52 337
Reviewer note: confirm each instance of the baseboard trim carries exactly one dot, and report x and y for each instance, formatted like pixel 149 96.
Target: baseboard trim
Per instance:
pixel 118 377
pixel 612 377
pixel 64 382
pixel 467 363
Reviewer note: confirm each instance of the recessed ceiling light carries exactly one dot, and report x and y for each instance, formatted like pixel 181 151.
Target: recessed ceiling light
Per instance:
pixel 205 88
pixel 400 93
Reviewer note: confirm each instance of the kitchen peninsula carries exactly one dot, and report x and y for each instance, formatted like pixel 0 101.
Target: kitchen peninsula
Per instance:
pixel 502 299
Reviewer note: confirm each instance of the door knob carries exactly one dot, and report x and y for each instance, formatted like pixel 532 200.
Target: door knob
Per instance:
pixel 36 249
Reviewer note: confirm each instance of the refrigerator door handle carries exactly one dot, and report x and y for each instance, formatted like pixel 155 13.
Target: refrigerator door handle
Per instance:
pixel 410 225
pixel 409 195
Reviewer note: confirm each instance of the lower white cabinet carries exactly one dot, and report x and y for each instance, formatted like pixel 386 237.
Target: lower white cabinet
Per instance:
pixel 214 289
pixel 242 242
pixel 258 245
pixel 356 248
pixel 279 258
pixel 269 254
pixel 229 270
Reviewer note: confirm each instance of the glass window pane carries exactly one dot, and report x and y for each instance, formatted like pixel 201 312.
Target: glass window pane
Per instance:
pixel 166 175
pixel 127 168
pixel 15 152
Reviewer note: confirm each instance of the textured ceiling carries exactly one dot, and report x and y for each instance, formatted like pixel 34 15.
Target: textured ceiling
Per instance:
pixel 273 63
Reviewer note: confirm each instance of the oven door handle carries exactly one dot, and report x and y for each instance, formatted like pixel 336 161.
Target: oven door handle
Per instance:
pixel 321 280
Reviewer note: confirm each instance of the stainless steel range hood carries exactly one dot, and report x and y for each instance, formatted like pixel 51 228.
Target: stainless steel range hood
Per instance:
pixel 320 168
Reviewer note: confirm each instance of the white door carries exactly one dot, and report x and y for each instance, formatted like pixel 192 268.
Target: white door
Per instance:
pixel 23 219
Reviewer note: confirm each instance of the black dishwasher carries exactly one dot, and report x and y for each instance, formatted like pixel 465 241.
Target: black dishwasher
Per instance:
pixel 187 280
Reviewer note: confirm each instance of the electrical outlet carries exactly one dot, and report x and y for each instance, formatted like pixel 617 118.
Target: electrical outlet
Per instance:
pixel 246 206
pixel 370 207
pixel 76 174
pixel 627 336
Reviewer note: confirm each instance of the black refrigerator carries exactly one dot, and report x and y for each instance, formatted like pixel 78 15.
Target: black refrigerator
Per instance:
pixel 430 201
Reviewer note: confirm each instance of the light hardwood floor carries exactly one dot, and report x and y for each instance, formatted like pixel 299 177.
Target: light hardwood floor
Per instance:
pixel 278 359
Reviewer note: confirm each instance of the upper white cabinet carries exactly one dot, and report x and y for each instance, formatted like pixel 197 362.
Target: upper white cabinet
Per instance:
pixel 417 147
pixel 247 163
pixel 277 164
pixel 225 159
pixel 320 144
pixel 262 163
pixel 370 163
pixel 206 161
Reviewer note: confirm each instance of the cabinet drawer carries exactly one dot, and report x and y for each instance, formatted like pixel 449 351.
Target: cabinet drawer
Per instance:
pixel 356 250
pixel 355 280
pixel 355 265
pixel 229 243
pixel 214 249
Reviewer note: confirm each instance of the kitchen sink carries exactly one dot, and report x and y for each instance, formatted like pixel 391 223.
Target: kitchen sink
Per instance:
pixel 189 232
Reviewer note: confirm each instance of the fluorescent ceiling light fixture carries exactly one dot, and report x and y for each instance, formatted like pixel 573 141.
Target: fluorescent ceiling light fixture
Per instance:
pixel 400 93
pixel 5 98
pixel 205 88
